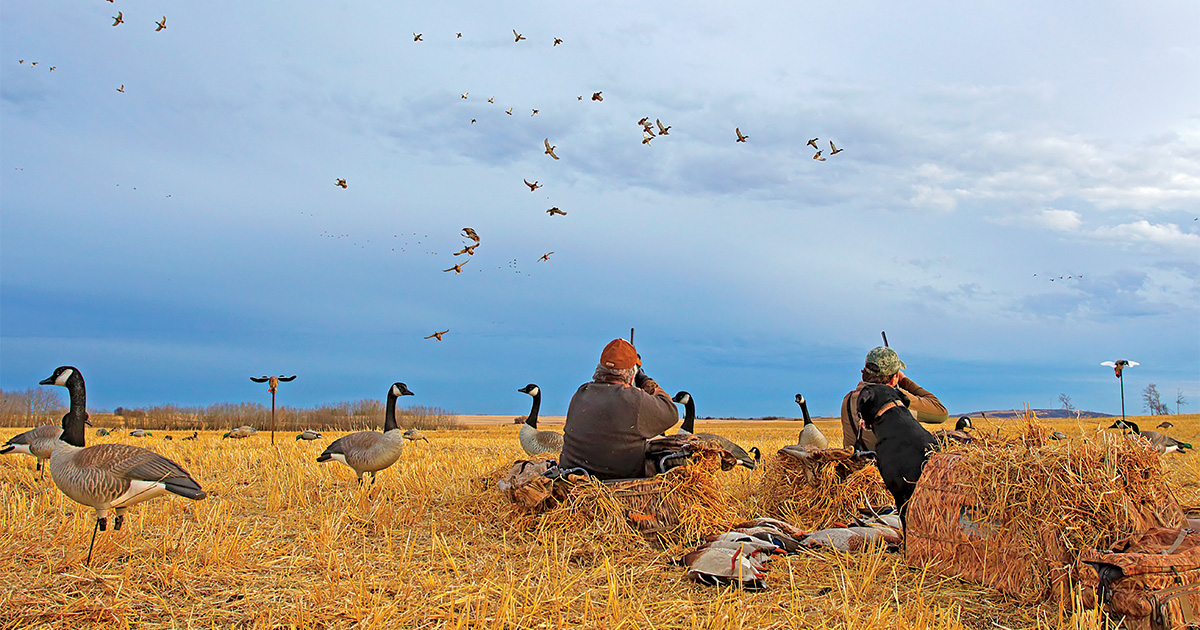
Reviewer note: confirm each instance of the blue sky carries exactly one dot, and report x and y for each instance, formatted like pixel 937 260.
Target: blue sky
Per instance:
pixel 176 238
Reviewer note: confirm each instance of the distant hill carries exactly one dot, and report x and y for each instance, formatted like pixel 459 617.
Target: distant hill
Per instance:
pixel 1041 413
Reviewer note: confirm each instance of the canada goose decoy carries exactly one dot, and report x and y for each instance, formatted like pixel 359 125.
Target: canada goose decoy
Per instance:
pixel 119 18
pixel 161 24
pixel 517 36
pixel 810 435
pixel 249 430
pixel 1058 435
pixel 438 335
pixel 308 435
pixel 549 148
pixel 467 249
pixel 139 433
pixel 553 211
pixel 959 434
pixel 340 182
pixel 532 187
pixel 533 440
pixel 193 436
pixel 834 150
pixel 371 451
pixel 237 433
pixel 1158 441
pixel 740 137
pixel 38 442
pixel 813 143
pixel 457 269
pixel 108 476
pixel 412 435
pixel 471 234
pixel 1164 425
pixel 689 427
pixel 545 257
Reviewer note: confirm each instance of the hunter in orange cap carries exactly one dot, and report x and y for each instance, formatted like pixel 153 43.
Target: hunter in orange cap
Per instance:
pixel 612 417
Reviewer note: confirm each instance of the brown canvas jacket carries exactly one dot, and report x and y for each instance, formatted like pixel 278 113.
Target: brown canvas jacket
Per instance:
pixel 608 425
pixel 925 407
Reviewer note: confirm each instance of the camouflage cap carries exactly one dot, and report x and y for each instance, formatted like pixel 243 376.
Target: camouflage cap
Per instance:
pixel 884 361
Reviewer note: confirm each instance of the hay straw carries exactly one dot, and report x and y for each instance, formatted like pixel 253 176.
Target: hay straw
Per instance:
pixel 835 497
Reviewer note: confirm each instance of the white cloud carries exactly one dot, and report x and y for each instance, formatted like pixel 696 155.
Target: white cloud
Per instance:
pixel 1144 231
pixel 1061 220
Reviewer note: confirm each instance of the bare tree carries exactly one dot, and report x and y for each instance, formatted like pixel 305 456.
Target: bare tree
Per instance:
pixel 1152 402
pixel 1065 401
pixel 1179 400
pixel 45 404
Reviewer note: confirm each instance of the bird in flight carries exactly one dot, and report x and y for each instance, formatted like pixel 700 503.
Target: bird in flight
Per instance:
pixel 509 112
pixel 472 121
pixel 818 157
pixel 121 89
pixel 438 335
pixel 517 35
pixel 549 149
pixel 464 95
pixel 596 96
pixel 492 99
pixel 553 211
pixel 647 137
pixel 644 120
pixel 532 187
pixel 468 250
pixel 470 233
pixel 740 137
pixel 417 37
pixel 457 269
pixel 458 35
pixel 834 150
pixel 662 131
pixel 20 61
pixel 52 68
pixel 557 41
pixel 161 24
pixel 545 257
pixel 119 19
pixel 341 182
pixel 813 143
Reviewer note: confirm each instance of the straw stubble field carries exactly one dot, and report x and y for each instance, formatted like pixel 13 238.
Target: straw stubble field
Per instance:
pixel 282 541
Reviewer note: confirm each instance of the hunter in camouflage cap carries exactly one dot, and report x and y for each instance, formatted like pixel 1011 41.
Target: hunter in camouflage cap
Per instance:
pixel 883 361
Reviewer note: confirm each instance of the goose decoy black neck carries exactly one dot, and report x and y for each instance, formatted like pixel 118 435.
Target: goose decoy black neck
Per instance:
pixel 963 424
pixel 689 411
pixel 69 377
pixel 1126 424
pixel 536 392
pixel 803 408
pixel 389 415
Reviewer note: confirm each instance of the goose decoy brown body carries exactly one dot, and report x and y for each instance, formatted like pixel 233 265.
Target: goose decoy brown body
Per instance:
pixel 959 434
pixel 108 477
pixel 372 451
pixel 689 427
pixel 412 435
pixel 1159 442
pixel 810 435
pixel 534 440
pixel 38 442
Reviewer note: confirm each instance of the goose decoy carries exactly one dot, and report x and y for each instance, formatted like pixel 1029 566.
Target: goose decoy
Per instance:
pixel 38 442
pixel 810 435
pixel 412 435
pixel 1159 442
pixel 308 435
pixel 689 427
pixel 108 477
pixel 740 137
pixel 193 436
pixel 533 440
pixel 1165 424
pixel 813 143
pixel 532 187
pixel 549 148
pixel 237 434
pixel 161 24
pixel 553 211
pixel 959 434
pixel 1058 435
pixel 371 451
pixel 438 335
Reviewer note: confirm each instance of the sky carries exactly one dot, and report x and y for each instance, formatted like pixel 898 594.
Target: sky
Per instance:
pixel 179 236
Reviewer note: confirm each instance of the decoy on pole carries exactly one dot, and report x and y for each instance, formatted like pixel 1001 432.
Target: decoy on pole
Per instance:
pixel 1119 366
pixel 274 382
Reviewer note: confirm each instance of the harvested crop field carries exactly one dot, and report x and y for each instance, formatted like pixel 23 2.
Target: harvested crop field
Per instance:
pixel 282 541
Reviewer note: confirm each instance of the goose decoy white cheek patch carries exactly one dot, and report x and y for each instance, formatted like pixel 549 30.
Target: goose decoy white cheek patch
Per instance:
pixel 62 378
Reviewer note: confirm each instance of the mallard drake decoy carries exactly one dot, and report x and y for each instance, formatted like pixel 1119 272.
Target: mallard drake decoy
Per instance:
pixel 810 435
pixel 308 435
pixel 1159 442
pixel 412 435
pixel 103 432
pixel 536 441
pixel 1165 424
pixel 38 442
pixel 689 427
pixel 740 137
pixel 1119 365
pixel 371 451
pixel 550 149
pixel 237 434
pixel 108 476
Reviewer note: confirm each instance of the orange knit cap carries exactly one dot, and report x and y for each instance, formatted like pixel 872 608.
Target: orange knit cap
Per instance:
pixel 619 355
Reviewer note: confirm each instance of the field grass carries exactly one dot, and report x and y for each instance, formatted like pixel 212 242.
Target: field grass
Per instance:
pixel 282 541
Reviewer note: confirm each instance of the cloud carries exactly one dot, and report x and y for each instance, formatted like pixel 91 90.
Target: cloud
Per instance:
pixel 1143 231
pixel 1060 220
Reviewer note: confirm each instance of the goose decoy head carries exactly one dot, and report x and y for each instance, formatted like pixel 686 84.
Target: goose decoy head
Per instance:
pixel 757 453
pixel 799 399
pixel 1125 424
pixel 682 397
pixel 60 376
pixel 963 424
pixel 400 389
pixel 530 389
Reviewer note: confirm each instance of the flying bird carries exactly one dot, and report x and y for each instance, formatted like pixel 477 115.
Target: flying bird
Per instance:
pixel 553 211
pixel 813 143
pixel 535 113
pixel 740 137
pixel 517 35
pixel 472 121
pixel 545 257
pixel 457 269
pixel 644 121
pixel 1119 365
pixel 662 131
pixel 557 41
pixel 468 250
pixel 834 150
pixel 417 37
pixel 818 157
pixel 532 187
pixel 549 149
pixel 509 112
pixel 596 96
pixel 647 137
pixel 52 68
pixel 492 99
pixel 121 89
pixel 119 19
pixel 470 233
pixel 438 335
pixel 458 35
pixel 464 95
pixel 161 24
pixel 341 182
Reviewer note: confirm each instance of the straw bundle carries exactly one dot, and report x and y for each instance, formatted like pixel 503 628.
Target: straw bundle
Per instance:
pixel 821 489
pixel 1016 514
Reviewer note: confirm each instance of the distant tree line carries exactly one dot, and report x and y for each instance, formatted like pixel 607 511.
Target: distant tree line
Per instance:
pixel 1152 402
pixel 31 407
